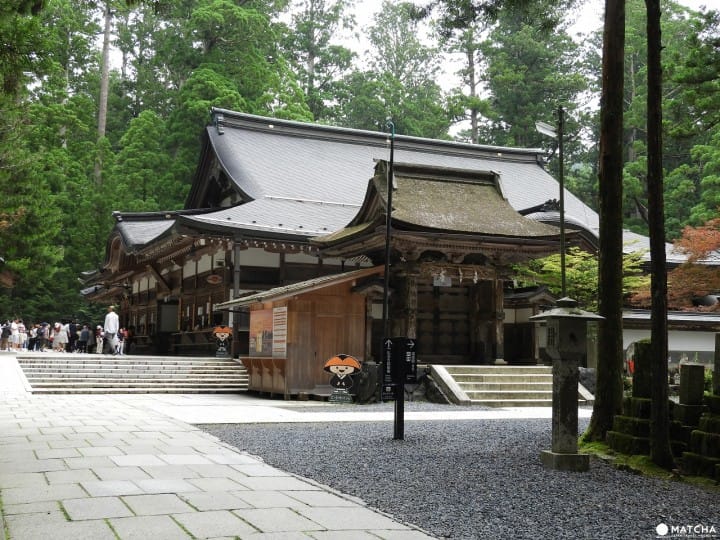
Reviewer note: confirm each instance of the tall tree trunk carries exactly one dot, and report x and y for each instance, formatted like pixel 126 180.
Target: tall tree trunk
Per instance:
pixel 104 85
pixel 609 389
pixel 660 451
pixel 472 82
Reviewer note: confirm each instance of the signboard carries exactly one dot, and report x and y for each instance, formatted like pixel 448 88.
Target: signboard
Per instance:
pixel 387 392
pixel 399 361
pixel 261 332
pixel 404 360
pixel 214 279
pixel 387 361
pixel 279 332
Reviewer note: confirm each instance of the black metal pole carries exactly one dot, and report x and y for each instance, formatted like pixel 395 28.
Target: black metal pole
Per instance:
pixel 561 175
pixel 399 422
pixel 388 219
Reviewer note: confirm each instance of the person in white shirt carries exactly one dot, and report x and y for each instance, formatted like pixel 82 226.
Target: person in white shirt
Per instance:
pixel 111 327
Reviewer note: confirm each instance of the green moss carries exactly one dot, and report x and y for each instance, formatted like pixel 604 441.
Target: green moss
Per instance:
pixel 642 464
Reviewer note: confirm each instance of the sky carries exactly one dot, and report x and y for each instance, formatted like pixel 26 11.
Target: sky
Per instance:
pixel 588 17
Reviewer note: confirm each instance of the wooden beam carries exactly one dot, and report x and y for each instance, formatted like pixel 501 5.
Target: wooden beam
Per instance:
pixel 161 281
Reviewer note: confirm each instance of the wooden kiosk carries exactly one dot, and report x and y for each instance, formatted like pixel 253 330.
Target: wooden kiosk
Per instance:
pixel 295 329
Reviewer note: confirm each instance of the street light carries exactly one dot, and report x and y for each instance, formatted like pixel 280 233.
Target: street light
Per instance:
pixel 557 133
pixel 388 229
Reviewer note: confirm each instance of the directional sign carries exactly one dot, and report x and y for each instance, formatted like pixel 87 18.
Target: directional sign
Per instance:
pixel 387 360
pixel 405 360
pixel 399 361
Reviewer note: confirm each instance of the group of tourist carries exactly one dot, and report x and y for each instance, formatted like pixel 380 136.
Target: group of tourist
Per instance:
pixel 109 338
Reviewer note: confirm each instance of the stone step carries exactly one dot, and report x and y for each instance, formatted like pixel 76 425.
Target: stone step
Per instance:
pixel 35 381
pixel 494 395
pixel 495 370
pixel 112 370
pixel 509 386
pixel 137 384
pixel 112 361
pixel 513 402
pixel 80 373
pixel 500 377
pixel 500 386
pixel 142 390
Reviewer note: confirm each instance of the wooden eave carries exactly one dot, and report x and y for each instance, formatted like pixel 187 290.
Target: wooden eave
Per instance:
pixel 301 288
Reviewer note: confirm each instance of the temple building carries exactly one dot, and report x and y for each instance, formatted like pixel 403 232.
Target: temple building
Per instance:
pixel 283 238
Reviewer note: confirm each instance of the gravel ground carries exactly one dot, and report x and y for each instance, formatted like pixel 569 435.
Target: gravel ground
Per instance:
pixel 479 479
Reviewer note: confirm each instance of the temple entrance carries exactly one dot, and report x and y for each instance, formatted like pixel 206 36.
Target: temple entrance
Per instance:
pixel 456 322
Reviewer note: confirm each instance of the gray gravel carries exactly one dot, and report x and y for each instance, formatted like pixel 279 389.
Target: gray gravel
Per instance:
pixel 479 479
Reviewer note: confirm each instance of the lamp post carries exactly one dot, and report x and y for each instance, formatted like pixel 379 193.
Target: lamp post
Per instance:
pixel 388 219
pixel 557 133
pixel 389 359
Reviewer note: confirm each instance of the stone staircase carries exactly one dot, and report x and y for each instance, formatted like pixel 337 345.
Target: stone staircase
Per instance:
pixel 500 386
pixel 101 374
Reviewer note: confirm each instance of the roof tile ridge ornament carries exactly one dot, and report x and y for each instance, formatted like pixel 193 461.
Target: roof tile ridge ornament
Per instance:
pixel 230 119
pixel 218 120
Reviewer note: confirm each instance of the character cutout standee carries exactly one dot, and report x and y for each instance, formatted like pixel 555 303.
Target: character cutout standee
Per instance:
pixel 342 367
pixel 222 336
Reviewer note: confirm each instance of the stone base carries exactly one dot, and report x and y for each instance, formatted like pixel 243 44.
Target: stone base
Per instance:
pixel 688 415
pixel 565 462
pixel 500 362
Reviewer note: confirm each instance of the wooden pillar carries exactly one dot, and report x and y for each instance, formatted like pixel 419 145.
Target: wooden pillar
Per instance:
pixel 235 347
pixel 499 322
pixel 368 327
pixel 474 320
pixel 411 303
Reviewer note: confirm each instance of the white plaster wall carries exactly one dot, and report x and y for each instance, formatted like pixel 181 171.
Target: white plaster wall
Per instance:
pixel 523 315
pixel 678 340
pixel 302 258
pixel 205 264
pixel 259 257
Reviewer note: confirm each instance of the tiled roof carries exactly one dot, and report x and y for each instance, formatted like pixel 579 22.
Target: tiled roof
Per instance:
pixel 474 207
pixel 136 234
pixel 316 176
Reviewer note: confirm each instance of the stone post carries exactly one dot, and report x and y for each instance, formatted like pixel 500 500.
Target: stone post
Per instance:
pixel 692 384
pixel 692 387
pixel 567 345
pixel 641 383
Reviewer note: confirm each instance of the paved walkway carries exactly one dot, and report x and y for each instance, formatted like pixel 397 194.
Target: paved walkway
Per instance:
pixel 125 466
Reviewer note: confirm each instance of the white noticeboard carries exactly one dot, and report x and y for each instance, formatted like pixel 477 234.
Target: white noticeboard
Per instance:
pixel 279 337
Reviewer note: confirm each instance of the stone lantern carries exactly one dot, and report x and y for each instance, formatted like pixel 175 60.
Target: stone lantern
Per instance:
pixel 566 344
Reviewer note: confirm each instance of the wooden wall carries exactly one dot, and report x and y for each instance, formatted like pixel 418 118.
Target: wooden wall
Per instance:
pixel 320 325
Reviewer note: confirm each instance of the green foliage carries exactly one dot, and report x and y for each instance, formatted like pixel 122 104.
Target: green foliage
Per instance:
pixel 581 269
pixel 141 176
pixel 690 85
pixel 178 59
pixel 401 84
pixel 314 55
pixel 530 71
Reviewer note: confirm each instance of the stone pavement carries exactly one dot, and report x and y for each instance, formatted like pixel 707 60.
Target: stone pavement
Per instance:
pixel 96 467
pixel 131 466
